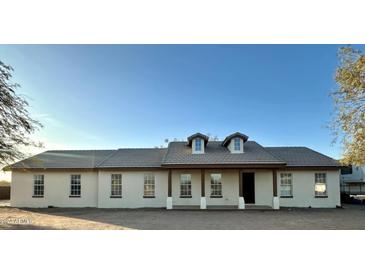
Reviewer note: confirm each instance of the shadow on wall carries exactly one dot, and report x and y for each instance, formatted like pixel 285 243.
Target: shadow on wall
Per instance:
pixel 4 192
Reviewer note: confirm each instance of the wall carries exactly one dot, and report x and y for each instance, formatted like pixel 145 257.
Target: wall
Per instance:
pixel 303 190
pixel 56 189
pixel 95 188
pixel 132 190
pixel 230 187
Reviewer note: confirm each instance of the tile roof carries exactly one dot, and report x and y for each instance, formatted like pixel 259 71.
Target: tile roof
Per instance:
pixel 215 153
pixel 301 156
pixel 135 157
pixel 178 153
pixel 65 159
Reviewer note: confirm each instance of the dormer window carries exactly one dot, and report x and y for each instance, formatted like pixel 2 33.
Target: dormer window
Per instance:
pixel 237 144
pixel 197 142
pixel 198 145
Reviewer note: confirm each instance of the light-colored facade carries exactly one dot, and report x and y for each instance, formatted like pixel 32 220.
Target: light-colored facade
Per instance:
pixel 197 182
pixel 96 189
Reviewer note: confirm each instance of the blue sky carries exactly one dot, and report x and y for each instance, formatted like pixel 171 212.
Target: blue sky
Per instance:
pixel 111 96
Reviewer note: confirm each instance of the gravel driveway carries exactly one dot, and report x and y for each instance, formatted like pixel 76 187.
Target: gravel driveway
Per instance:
pixel 350 217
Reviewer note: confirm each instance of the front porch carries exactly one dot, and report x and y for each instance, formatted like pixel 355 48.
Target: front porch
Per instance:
pixel 222 189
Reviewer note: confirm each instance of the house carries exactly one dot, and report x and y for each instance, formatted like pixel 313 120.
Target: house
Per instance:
pixel 198 172
pixel 353 180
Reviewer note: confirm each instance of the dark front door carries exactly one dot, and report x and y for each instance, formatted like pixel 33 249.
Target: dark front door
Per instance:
pixel 248 183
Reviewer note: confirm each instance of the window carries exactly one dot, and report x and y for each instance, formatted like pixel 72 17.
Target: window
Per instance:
pixel 237 144
pixel 320 187
pixel 149 186
pixel 286 185
pixel 116 185
pixel 185 186
pixel 198 144
pixel 75 186
pixel 38 187
pixel 346 170
pixel 216 185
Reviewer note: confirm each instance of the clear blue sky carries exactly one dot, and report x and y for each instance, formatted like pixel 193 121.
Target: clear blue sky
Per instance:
pixel 114 96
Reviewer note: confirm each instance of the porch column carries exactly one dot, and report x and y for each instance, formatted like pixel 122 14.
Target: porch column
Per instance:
pixel 169 191
pixel 275 198
pixel 241 200
pixel 203 200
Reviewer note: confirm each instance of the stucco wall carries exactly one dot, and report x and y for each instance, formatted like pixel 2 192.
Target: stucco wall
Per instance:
pixel 56 190
pixel 303 190
pixel 95 189
pixel 132 190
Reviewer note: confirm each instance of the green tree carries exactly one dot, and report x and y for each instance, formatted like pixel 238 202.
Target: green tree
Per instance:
pixel 349 101
pixel 16 125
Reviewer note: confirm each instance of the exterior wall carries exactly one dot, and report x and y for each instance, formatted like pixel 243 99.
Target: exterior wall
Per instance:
pixel 56 189
pixel 195 187
pixel 132 190
pixel 263 187
pixel 95 189
pixel 230 188
pixel 303 190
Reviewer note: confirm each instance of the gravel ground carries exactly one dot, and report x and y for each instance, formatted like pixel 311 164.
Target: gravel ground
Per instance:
pixel 350 217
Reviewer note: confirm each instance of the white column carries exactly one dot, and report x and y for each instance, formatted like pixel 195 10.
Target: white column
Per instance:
pixel 203 203
pixel 169 203
pixel 275 202
pixel 241 203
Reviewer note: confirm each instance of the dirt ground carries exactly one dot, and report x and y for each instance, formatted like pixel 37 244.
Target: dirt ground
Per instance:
pixel 349 217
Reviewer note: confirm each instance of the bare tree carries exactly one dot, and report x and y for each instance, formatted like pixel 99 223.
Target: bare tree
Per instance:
pixel 15 122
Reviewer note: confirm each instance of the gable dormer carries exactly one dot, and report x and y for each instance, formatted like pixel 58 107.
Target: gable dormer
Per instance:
pixel 235 142
pixel 197 142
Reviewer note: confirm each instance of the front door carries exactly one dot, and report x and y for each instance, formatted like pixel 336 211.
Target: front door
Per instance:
pixel 248 183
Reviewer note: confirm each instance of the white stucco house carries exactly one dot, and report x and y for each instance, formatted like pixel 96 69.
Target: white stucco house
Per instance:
pixel 199 172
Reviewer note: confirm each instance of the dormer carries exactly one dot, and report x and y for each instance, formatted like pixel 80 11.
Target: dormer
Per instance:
pixel 235 142
pixel 197 142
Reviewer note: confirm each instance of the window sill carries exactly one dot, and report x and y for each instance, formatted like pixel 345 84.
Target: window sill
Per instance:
pixel 149 197
pixel 286 197
pixel 325 196
pixel 183 197
pixel 74 196
pixel 221 196
pixel 115 196
pixel 36 196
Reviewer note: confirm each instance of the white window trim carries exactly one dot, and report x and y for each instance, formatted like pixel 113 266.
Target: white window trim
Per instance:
pixel 79 180
pixel 325 194
pixel 239 144
pixel 282 184
pixel 116 186
pixel 37 178
pixel 198 140
pixel 186 186
pixel 217 184
pixel 149 180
